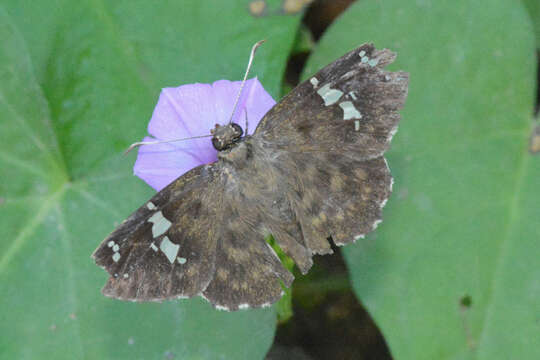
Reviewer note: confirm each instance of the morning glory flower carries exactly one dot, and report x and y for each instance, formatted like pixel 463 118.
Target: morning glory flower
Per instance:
pixel 193 110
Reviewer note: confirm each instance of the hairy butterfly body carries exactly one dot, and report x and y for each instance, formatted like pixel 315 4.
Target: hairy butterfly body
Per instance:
pixel 313 169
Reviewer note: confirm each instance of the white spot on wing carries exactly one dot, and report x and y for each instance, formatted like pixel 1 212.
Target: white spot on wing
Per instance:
pixel 116 247
pixel 169 249
pixel 392 133
pixel 362 53
pixel 359 237
pixel 126 275
pixel 221 307
pixel 329 96
pixel 391 178
pixel 376 223
pixel 243 306
pixel 314 82
pixel 349 111
pixel 353 95
pixel 153 247
pixel 348 74
pixel 373 62
pixel 356 125
pixel 150 205
pixel 181 260
pixel 116 256
pixel 110 243
pixel 161 225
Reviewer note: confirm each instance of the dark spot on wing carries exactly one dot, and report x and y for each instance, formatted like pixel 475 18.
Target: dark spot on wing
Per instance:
pixel 305 127
pixel 315 207
pixel 324 174
pixel 196 208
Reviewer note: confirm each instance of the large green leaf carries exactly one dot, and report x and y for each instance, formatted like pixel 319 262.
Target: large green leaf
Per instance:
pixel 64 184
pixel 452 273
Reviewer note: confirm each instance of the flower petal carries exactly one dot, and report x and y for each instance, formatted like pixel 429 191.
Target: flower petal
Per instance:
pixel 160 164
pixel 193 110
pixel 257 103
pixel 254 102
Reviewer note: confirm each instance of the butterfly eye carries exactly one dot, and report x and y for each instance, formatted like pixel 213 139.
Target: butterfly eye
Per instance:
pixel 238 129
pixel 217 144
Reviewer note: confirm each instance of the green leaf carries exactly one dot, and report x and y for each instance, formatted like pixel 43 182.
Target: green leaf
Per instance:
pixel 284 305
pixel 65 185
pixel 452 272
pixel 38 23
pixel 533 6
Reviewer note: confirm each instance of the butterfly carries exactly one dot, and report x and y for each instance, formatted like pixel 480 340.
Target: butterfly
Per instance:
pixel 312 172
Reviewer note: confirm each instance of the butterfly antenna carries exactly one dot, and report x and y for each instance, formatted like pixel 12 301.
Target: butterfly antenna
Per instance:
pixel 134 145
pixel 251 56
pixel 246 132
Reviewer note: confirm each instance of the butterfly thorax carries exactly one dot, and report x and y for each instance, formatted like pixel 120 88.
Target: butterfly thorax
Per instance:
pixel 226 136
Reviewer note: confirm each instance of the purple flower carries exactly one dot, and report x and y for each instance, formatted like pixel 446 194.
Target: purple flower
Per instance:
pixel 192 110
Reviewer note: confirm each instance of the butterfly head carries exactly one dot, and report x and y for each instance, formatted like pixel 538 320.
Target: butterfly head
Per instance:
pixel 226 136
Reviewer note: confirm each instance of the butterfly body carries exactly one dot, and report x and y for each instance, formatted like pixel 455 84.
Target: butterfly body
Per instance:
pixel 313 170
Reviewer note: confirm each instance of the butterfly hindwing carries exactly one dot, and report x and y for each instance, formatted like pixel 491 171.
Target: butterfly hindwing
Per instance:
pixel 341 198
pixel 248 273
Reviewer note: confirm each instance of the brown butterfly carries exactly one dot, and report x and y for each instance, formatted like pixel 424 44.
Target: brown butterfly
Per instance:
pixel 313 171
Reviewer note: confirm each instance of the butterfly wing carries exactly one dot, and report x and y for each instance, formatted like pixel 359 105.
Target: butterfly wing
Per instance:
pixel 338 197
pixel 189 239
pixel 167 247
pixel 350 106
pixel 328 137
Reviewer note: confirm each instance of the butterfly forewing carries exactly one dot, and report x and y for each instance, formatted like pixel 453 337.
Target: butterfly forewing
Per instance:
pixel 350 106
pixel 166 249
pixel 195 237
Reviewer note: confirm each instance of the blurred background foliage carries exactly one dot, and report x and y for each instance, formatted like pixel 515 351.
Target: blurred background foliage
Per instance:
pixel 452 273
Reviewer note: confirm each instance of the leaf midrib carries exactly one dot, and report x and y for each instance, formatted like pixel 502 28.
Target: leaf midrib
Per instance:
pixel 133 65
pixel 129 56
pixel 70 279
pixel 504 244
pixel 32 223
